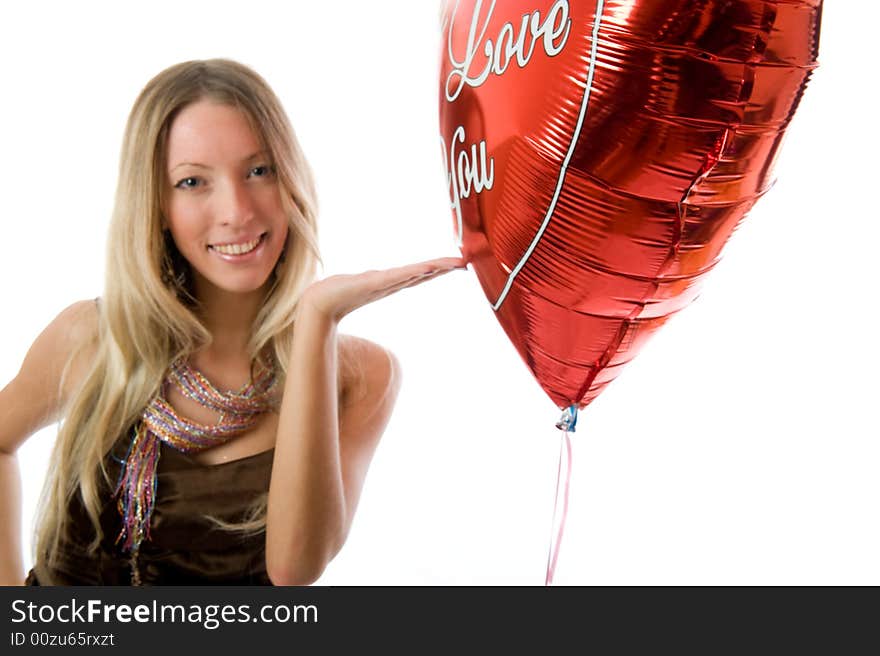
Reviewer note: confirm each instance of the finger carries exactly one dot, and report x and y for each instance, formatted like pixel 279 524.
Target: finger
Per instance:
pixel 380 293
pixel 424 277
pixel 379 284
pixel 411 272
pixel 440 263
pixel 418 280
pixel 448 263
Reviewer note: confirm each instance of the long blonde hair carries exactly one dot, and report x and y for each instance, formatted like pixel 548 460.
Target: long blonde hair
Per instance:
pixel 145 320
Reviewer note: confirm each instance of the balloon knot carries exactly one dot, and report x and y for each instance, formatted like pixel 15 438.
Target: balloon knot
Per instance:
pixel 568 420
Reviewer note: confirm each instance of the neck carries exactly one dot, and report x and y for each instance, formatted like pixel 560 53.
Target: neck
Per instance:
pixel 229 317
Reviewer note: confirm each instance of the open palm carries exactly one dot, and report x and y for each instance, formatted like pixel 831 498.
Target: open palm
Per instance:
pixel 339 295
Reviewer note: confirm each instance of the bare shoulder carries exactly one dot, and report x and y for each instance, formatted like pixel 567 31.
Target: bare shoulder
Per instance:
pixel 73 333
pixel 369 372
pixel 60 354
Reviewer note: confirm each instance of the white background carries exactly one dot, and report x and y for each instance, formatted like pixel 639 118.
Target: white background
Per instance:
pixel 740 447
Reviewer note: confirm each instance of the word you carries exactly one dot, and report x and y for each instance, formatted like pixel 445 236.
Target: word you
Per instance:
pixel 467 170
pixel 510 44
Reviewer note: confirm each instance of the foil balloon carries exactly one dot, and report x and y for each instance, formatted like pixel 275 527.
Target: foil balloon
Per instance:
pixel 600 154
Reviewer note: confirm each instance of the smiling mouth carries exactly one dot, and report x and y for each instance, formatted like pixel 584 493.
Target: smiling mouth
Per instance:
pixel 242 248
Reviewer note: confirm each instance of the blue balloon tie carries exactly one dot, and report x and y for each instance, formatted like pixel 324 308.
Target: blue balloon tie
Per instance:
pixel 568 420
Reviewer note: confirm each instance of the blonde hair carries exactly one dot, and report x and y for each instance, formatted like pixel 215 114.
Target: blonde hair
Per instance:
pixel 145 320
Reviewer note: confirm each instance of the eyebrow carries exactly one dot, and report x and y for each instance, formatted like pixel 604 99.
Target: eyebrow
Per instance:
pixel 249 158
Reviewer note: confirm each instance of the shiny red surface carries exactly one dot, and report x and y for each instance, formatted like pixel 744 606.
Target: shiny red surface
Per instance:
pixel 638 184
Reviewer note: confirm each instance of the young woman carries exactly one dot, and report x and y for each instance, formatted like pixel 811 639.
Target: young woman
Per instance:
pixel 216 427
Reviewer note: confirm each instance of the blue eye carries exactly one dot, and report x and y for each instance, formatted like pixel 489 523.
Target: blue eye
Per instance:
pixel 187 183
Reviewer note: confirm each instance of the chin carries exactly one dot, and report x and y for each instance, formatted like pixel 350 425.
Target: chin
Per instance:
pixel 235 284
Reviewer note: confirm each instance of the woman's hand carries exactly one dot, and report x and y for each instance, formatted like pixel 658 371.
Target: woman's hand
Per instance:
pixel 336 296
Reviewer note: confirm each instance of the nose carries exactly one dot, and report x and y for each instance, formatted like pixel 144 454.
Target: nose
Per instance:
pixel 237 207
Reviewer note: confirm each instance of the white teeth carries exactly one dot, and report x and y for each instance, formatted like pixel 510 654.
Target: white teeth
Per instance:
pixel 237 249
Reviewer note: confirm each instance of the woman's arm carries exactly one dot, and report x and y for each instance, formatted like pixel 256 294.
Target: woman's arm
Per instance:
pixel 306 507
pixel 322 451
pixel 31 401
pixel 11 566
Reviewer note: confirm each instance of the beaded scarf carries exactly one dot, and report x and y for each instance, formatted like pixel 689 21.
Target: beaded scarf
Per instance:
pixel 159 423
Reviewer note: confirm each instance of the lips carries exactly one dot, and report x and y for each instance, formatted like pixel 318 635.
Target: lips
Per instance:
pixel 242 247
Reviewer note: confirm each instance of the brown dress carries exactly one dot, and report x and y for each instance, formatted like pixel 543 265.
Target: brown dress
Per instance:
pixel 185 547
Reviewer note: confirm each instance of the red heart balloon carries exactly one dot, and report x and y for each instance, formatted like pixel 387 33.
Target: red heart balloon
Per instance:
pixel 600 154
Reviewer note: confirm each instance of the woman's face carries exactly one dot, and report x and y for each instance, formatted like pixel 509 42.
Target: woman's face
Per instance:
pixel 223 202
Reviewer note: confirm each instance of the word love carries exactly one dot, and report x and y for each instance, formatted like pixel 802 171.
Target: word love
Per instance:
pixel 552 32
pixel 467 170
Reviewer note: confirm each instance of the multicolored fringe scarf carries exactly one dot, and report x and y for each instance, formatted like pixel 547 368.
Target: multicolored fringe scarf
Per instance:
pixel 239 411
